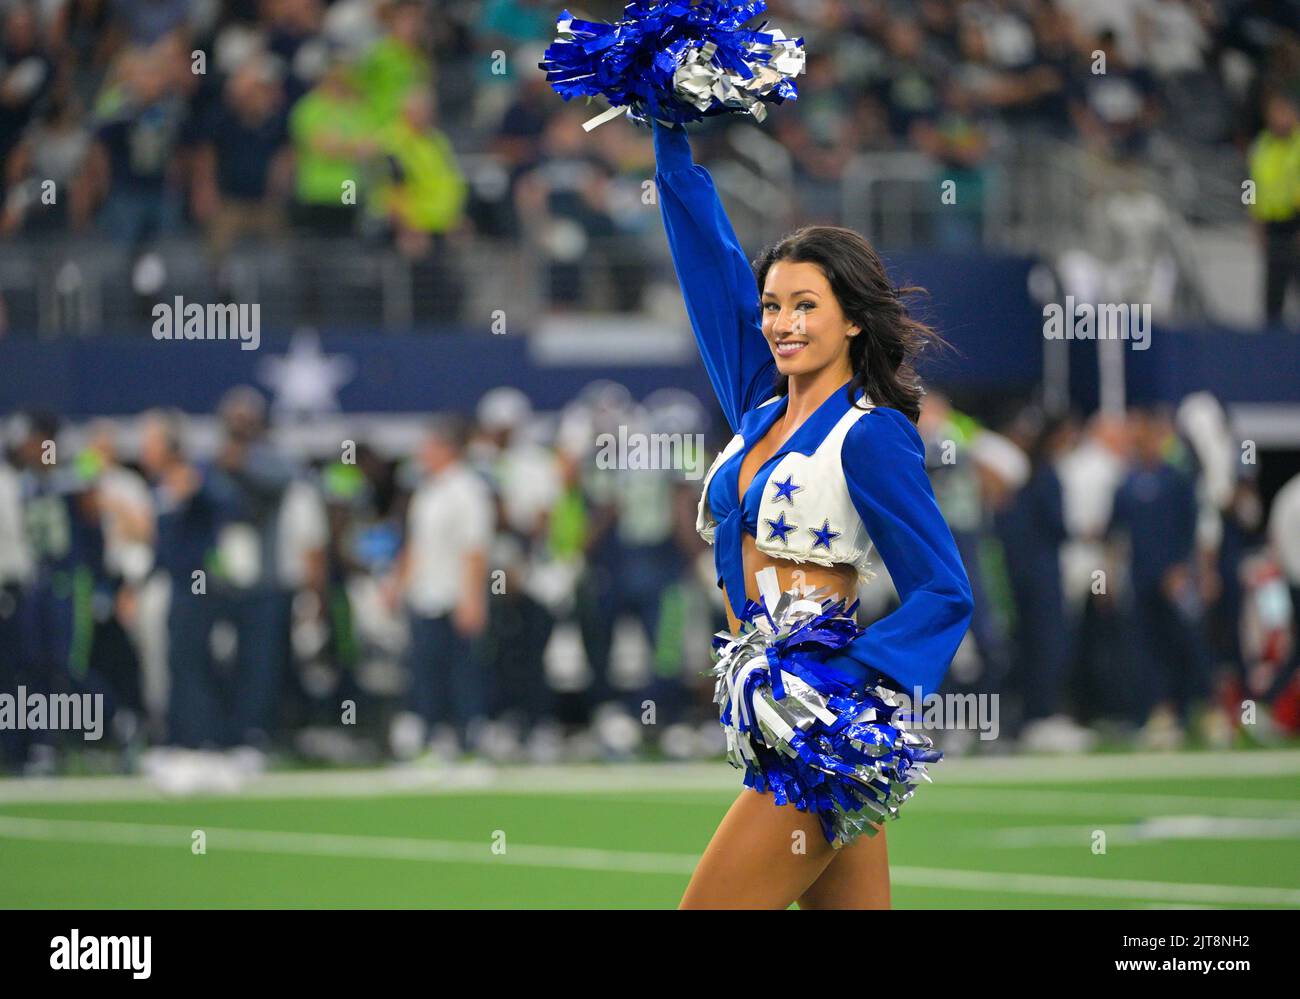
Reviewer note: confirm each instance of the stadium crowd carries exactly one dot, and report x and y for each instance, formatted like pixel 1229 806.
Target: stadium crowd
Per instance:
pixel 507 590
pixel 408 124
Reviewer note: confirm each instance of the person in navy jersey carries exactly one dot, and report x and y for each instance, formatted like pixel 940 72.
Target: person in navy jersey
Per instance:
pixel 826 334
pixel 1155 509
pixel 1033 530
pixel 242 147
pixel 190 503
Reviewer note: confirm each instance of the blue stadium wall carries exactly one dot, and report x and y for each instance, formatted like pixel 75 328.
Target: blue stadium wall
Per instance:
pixel 980 304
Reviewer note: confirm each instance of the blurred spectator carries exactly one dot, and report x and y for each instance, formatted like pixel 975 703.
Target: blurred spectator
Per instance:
pixel 397 64
pixel 188 507
pixel 349 503
pixel 292 30
pixel 1284 540
pixel 950 451
pixel 26 74
pixel 242 163
pixel 1033 530
pixel 525 477
pixel 424 197
pixel 111 514
pixel 517 139
pixel 256 598
pixel 1113 104
pixel 1155 509
pixel 46 612
pixel 635 563
pixel 51 151
pixel 138 118
pixel 302 536
pixel 503 32
pixel 1275 170
pixel 911 88
pixel 958 140
pixel 333 134
pixel 15 576
pixel 821 140
pixel 564 201
pixel 1090 475
pixel 442 577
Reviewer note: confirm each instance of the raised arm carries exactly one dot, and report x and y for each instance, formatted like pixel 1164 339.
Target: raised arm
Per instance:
pixel 884 466
pixel 722 298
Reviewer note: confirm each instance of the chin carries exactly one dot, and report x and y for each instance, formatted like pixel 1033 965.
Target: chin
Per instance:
pixel 793 365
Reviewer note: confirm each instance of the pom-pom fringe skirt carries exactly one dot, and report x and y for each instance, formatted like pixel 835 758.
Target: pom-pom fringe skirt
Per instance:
pixel 805 732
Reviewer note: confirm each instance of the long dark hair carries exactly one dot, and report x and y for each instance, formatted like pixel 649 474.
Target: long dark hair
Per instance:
pixel 884 353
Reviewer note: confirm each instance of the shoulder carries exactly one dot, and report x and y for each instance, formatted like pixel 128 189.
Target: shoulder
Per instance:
pixel 884 434
pixel 471 483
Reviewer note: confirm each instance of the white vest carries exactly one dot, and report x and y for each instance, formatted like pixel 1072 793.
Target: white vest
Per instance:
pixel 820 500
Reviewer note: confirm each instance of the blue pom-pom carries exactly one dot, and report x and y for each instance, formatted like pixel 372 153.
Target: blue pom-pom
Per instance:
pixel 675 61
pixel 838 748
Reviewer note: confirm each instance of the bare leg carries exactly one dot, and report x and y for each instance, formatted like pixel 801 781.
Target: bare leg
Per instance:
pixel 856 878
pixel 763 856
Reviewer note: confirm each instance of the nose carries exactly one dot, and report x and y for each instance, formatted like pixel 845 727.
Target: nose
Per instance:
pixel 783 324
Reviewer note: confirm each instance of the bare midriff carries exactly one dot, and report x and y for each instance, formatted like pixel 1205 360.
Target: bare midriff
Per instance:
pixel 841 579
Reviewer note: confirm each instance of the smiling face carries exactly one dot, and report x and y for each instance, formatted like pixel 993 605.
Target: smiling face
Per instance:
pixel 802 320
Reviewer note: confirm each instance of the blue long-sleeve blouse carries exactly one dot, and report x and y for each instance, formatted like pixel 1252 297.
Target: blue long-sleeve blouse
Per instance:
pixel 883 455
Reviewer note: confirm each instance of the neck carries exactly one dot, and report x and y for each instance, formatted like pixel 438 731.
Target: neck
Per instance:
pixel 808 391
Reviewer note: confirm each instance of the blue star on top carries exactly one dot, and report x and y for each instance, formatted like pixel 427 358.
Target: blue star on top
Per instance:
pixel 824 534
pixel 780 528
pixel 785 490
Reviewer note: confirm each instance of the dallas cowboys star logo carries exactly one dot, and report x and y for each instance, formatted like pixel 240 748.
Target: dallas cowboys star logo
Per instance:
pixel 824 534
pixel 780 528
pixel 785 490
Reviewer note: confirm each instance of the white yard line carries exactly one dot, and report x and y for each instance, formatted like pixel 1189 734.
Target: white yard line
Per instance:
pixel 649 777
pixel 1115 888
pixel 1097 803
pixel 1161 829
pixel 179 838
pixel 639 862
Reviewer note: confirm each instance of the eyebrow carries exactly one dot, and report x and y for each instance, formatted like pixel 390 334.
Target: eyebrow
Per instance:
pixel 801 291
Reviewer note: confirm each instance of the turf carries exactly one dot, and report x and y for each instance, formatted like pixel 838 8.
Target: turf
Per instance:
pixel 1001 843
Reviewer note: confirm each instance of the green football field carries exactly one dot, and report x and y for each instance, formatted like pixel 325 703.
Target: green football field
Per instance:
pixel 1179 830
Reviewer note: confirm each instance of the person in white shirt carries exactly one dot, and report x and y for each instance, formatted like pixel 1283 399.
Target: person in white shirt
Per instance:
pixel 442 575
pixel 15 574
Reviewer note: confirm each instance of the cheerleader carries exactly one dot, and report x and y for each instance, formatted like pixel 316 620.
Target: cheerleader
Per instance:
pixel 810 354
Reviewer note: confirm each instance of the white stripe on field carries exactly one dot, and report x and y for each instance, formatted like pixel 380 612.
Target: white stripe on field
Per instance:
pixel 337 845
pixel 1048 884
pixel 650 777
pixel 577 858
pixel 1153 831
pixel 944 799
pixel 937 798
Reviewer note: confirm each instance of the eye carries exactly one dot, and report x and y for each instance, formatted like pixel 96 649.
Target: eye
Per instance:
pixel 811 305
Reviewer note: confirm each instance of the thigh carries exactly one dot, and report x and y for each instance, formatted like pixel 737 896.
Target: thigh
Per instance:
pixel 763 856
pixel 856 878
